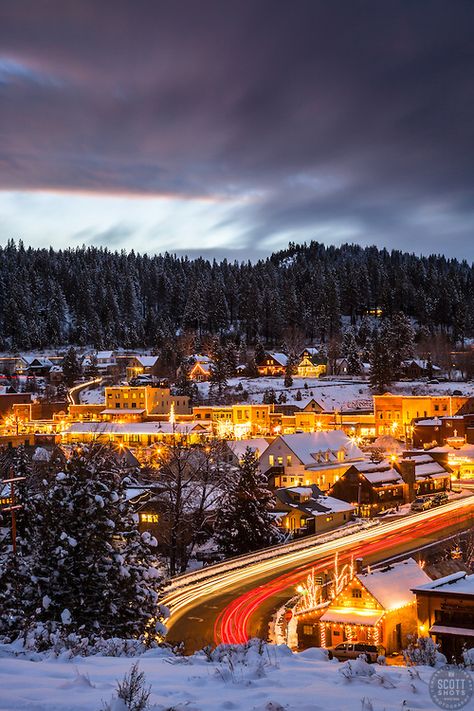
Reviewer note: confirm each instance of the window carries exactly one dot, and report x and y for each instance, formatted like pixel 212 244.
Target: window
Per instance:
pixel 356 592
pixel 134 404
pixel 117 405
pixel 436 408
pixel 288 460
pixel 280 461
pixel 271 460
pixel 329 518
pixel 308 630
pixel 239 414
pixel 149 518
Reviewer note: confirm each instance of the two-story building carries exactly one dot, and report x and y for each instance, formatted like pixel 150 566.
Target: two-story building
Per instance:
pixel 306 510
pixel 395 414
pixel 445 610
pixel 306 458
pixel 271 363
pixel 143 401
pixel 141 365
pixel 311 364
pixel 239 421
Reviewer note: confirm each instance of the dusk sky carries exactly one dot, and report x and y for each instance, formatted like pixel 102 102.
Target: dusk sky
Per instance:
pixel 230 128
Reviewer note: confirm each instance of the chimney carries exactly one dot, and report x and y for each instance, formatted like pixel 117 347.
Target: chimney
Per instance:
pixel 407 472
pixel 358 565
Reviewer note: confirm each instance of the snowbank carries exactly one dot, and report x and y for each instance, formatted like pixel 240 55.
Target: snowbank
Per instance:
pixel 256 677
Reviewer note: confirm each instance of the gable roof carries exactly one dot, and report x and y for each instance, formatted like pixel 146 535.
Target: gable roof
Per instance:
pixel 392 585
pixel 307 445
pixel 147 361
pixel 378 473
pixel 239 446
pixel 460 583
pixel 281 358
pixel 426 466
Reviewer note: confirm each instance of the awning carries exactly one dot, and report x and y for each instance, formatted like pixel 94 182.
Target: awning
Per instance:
pixel 457 631
pixel 352 616
pixel 123 411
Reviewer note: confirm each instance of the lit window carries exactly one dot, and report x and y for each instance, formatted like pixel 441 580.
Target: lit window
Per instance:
pixel 356 592
pixel 149 518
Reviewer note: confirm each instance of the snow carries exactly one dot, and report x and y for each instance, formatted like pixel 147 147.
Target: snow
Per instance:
pixel 258 445
pixel 461 631
pixel 308 445
pixel 459 583
pixel 139 428
pixel 237 680
pixel 351 617
pixel 92 396
pixel 391 586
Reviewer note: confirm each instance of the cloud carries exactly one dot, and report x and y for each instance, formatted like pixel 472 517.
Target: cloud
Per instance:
pixel 334 120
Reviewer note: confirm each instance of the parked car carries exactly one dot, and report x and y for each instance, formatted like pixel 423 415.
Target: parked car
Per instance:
pixel 420 504
pixel 353 650
pixel 439 499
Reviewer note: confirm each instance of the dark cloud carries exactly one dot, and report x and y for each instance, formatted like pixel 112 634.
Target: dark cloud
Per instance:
pixel 341 119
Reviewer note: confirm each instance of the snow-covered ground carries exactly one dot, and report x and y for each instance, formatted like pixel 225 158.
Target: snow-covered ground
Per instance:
pixel 273 680
pixel 92 396
pixel 336 394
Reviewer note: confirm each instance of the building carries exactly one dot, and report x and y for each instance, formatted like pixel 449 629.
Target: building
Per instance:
pixel 143 401
pixel 201 368
pixel 377 607
pixel 374 487
pixel 395 414
pixel 103 362
pixel 142 365
pixel 134 434
pixel 238 447
pixel 273 364
pixel 308 458
pixel 311 364
pixel 9 399
pixel 445 609
pixel 416 368
pixel 238 421
pixel 305 510
pixel 37 366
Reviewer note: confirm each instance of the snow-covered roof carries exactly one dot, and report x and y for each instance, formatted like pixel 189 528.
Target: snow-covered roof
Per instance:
pixel 308 446
pixel 147 361
pixel 122 428
pixel 426 466
pixel 378 472
pixel 199 358
pixel 431 422
pixel 280 358
pixel 41 362
pixel 123 411
pixel 423 364
pixel 460 583
pixel 104 355
pixel 392 586
pixel 258 445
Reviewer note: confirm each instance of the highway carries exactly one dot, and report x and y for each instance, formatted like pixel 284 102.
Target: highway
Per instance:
pixel 235 601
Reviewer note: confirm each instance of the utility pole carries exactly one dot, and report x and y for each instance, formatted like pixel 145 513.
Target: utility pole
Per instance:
pixel 13 507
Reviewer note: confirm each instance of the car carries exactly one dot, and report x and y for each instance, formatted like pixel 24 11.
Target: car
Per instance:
pixel 433 381
pixel 439 499
pixel 457 393
pixel 353 650
pixel 420 504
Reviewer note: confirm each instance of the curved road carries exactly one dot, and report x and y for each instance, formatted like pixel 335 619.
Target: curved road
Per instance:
pixel 234 605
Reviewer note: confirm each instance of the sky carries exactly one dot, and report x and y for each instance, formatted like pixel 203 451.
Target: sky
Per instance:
pixel 230 128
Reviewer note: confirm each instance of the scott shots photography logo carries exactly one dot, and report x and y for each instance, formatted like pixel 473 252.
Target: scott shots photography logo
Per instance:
pixel 451 688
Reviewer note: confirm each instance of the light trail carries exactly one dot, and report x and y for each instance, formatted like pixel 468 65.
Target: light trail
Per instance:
pixel 189 591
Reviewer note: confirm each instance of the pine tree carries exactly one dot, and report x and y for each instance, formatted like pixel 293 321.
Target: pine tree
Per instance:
pixel 84 566
pixel 350 351
pixel 219 367
pixel 71 367
pixel 244 522
pixel 380 374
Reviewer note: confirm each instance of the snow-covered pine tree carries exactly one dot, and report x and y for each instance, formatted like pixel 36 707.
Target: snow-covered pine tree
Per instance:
pixel 244 522
pixel 92 572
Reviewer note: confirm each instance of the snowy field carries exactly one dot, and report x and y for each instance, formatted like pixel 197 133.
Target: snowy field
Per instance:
pixel 275 680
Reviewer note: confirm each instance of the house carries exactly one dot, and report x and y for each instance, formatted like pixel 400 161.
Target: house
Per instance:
pixel 306 458
pixel 416 368
pixel 236 420
pixel 272 364
pixel 305 510
pixel 374 487
pixel 311 364
pixel 201 368
pixel 104 362
pixel 371 487
pixel 445 609
pixel 37 366
pixel 56 375
pixel 376 606
pixel 340 367
pixel 134 434
pixel 142 365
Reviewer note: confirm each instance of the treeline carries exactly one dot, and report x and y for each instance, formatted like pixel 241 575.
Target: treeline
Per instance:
pixel 110 299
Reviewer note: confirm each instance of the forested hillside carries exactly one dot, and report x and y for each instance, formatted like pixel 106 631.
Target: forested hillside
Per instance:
pixel 108 299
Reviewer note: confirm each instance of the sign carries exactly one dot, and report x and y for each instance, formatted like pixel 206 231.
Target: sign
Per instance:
pixel 288 615
pixel 451 688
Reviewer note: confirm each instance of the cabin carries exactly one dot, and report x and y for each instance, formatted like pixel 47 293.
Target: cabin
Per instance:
pixel 201 368
pixel 272 364
pixel 142 365
pixel 417 368
pixel 376 607
pixel 305 510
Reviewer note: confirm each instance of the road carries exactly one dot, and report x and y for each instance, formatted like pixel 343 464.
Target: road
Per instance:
pixel 234 605
pixel 73 394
